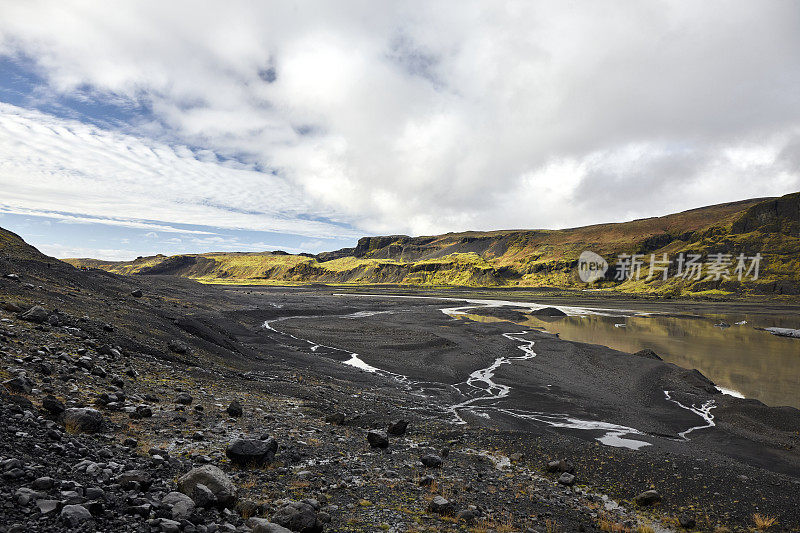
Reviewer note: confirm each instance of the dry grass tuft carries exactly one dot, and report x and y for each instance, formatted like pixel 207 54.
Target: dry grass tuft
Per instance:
pixel 763 522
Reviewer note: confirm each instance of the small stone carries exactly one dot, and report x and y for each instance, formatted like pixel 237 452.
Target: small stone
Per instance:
pixel 252 452
pixel 234 409
pixel 431 461
pixel 567 479
pixel 648 497
pixel 335 418
pixel 47 507
pixel 75 515
pixel 43 483
pixel 440 505
pixel 83 420
pixel 184 398
pixel 687 521
pixel 137 293
pixel 398 428
pixel 53 405
pixel 378 439
pixel 37 314
pixel 179 504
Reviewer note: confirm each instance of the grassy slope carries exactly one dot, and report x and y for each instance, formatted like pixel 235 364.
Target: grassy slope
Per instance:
pixel 523 257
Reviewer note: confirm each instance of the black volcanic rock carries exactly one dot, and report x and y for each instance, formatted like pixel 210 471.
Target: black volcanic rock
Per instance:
pixel 53 405
pixel 378 439
pixel 37 314
pixel 398 428
pixel 252 452
pixel 83 420
pixel 431 461
pixel 234 409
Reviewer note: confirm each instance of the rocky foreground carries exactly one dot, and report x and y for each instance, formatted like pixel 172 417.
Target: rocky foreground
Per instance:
pixel 132 406
pixel 99 439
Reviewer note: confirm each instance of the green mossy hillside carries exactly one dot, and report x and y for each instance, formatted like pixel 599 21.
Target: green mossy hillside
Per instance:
pixel 527 258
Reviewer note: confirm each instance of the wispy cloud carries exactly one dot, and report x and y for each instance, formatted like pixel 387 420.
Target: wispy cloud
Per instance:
pixel 98 176
pixel 67 218
pixel 108 254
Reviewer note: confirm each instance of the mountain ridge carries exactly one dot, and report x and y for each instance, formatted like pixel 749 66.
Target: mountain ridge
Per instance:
pixel 522 258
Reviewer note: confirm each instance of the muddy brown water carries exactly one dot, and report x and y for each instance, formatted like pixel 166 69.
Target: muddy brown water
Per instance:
pixel 741 358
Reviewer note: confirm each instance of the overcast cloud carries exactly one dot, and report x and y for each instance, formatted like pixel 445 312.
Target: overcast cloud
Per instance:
pixel 335 118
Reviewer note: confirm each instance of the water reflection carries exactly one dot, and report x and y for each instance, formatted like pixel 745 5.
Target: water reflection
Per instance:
pixel 753 362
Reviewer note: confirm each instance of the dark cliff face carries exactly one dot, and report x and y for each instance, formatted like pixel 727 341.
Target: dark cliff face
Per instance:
pixel 368 245
pixel 780 215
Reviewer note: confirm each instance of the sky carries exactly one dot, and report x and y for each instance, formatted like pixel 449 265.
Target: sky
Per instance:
pixel 134 128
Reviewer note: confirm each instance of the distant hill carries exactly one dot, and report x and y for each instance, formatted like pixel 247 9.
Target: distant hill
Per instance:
pixel 524 258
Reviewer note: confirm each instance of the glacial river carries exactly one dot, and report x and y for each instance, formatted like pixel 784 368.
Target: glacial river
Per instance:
pixel 479 391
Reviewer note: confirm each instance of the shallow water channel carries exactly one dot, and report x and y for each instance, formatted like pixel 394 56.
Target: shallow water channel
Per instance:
pixel 739 358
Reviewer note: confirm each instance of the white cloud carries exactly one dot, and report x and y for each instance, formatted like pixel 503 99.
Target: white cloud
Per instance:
pixel 108 254
pixel 48 163
pixel 414 117
pixel 76 219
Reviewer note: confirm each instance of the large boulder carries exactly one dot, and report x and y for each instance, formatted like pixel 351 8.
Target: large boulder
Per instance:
pixel 300 517
pixel 252 452
pixel 83 420
pixel 214 479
